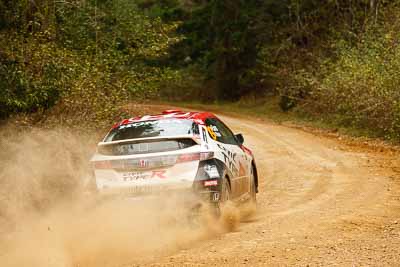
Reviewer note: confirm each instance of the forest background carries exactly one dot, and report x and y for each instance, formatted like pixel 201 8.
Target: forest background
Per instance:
pixel 77 62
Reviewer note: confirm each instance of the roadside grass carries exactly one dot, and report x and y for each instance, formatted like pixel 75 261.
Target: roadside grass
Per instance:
pixel 266 109
pixel 269 110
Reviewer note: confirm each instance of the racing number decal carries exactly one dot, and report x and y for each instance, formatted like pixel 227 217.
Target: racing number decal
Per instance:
pixel 212 133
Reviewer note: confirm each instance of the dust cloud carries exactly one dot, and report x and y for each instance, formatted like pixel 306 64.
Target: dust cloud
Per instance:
pixel 47 218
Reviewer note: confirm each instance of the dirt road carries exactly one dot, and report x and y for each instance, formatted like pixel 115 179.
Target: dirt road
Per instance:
pixel 322 201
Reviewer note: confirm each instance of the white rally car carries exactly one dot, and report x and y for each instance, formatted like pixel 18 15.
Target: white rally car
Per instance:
pixel 175 152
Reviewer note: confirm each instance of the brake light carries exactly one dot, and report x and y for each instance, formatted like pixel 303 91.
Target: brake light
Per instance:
pixel 195 156
pixel 206 155
pixel 152 162
pixel 105 164
pixel 188 157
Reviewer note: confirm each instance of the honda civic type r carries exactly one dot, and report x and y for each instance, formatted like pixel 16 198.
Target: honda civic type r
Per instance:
pixel 175 151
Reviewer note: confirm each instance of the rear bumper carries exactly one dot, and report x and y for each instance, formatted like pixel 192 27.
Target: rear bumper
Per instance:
pixel 191 193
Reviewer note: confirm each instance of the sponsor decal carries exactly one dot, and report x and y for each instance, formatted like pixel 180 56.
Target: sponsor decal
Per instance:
pixel 229 159
pixel 211 170
pixel 132 176
pixel 211 183
pixel 204 135
pixel 216 131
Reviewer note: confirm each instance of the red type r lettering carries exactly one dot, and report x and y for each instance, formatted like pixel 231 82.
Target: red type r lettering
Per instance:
pixel 159 174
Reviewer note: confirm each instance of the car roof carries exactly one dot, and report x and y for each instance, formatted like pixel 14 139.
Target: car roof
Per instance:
pixel 196 116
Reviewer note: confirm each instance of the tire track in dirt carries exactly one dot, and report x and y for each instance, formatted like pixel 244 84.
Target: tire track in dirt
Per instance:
pixel 320 203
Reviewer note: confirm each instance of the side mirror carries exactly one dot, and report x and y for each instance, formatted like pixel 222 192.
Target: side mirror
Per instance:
pixel 239 138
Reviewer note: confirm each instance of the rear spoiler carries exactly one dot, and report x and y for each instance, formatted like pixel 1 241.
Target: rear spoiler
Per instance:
pixel 195 138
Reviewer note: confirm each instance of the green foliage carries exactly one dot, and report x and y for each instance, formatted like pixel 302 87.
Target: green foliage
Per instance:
pixel 338 60
pixel 85 57
pixel 359 86
pixel 29 76
pixel 362 85
pixel 221 42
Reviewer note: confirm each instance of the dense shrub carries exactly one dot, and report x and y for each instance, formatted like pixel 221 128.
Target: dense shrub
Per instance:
pixel 362 86
pixel 31 74
pixel 85 57
pixel 359 87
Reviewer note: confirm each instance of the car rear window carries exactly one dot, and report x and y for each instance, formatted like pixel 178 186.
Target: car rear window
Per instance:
pixel 156 128
pixel 153 146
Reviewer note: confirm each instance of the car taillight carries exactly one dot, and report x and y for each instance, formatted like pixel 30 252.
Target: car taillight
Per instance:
pixel 206 155
pixel 105 164
pixel 152 162
pixel 188 157
pixel 195 156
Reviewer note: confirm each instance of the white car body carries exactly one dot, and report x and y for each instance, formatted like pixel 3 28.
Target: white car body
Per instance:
pixel 198 168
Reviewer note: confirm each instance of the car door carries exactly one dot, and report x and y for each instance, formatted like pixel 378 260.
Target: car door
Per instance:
pixel 232 154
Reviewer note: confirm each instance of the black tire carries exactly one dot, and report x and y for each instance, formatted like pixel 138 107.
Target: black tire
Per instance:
pixel 225 191
pixel 253 189
pixel 225 196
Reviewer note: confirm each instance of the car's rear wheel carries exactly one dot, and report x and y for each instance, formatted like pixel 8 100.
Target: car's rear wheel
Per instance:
pixel 253 190
pixel 225 191
pixel 225 196
pixel 229 215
